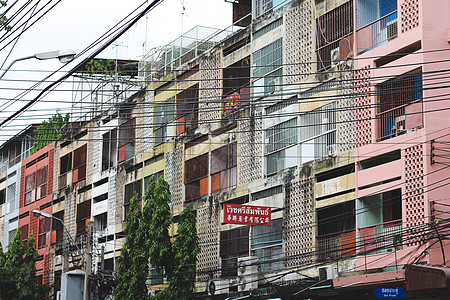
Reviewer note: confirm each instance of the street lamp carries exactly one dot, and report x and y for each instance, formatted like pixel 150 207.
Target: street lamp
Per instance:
pixel 64 56
pixel 38 213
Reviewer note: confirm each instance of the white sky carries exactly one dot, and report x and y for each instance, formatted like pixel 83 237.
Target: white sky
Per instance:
pixel 76 24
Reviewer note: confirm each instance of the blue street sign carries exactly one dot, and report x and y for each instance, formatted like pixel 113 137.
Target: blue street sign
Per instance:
pixel 390 293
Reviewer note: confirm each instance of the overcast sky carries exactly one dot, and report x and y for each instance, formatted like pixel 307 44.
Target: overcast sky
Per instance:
pixel 76 24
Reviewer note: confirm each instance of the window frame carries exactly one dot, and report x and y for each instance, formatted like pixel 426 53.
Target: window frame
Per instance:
pixel 221 175
pixel 279 139
pixel 313 130
pixel 196 177
pixel 79 163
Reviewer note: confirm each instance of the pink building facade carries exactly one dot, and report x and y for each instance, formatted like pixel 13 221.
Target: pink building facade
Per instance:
pixel 402 135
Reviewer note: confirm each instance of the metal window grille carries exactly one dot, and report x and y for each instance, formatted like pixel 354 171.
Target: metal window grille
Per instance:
pixel 266 245
pixel 318 132
pixel 11 198
pixel 400 104
pixel 268 58
pixel 331 28
pixel 281 135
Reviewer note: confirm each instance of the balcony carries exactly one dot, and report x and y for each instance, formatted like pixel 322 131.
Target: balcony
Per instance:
pixel 400 120
pixel 380 238
pixel 377 33
pixel 336 245
pixel 400 104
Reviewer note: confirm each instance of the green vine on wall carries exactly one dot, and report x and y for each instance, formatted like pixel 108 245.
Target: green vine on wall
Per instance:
pixel 49 131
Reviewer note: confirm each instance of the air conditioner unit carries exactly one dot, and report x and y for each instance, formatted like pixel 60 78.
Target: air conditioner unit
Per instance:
pixel 334 54
pixel 217 287
pixel 247 273
pixel 391 29
pixel 332 150
pixel 329 272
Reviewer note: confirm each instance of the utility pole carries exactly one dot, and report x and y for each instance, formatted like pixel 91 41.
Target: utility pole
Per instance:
pixel 88 266
pixel 102 258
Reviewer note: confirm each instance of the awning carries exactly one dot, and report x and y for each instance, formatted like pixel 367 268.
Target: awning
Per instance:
pixel 413 277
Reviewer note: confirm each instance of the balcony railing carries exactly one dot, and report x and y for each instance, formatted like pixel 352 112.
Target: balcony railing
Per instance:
pixel 377 32
pixel 381 237
pixel 399 120
pixel 336 245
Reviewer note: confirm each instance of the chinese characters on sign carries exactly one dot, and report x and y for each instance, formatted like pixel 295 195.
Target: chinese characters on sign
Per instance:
pixel 246 214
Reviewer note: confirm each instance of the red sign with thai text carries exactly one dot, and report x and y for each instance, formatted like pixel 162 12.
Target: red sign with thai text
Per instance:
pixel 246 214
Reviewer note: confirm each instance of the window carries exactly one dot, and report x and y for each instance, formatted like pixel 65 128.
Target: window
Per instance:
pixel 233 243
pixel 30 191
pixel 65 165
pixel 130 189
pixel 267 28
pixel 100 198
pixel 79 163
pixel 57 227
pixel 261 6
pixel 11 235
pixel 279 146
pixel 223 168
pixel 27 146
pixel 154 159
pixel 2 196
pixel 380 160
pixel 15 153
pixel 400 104
pixel 44 232
pixel 267 245
pixel 236 82
pixel 24 232
pixel 268 62
pixel 336 229
pixel 147 179
pixel 164 113
pixel 380 221
pixel 318 133
pixel 187 109
pixel 109 149
pixel 196 177
pixel 126 140
pixel 334 36
pixel 41 183
pixel 11 198
pixel 3 162
pixel 83 216
pixel 376 22
pixel 36 185
pixel 101 221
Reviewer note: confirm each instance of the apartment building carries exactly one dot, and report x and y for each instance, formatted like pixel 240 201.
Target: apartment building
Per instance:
pixel 400 51
pixel 253 122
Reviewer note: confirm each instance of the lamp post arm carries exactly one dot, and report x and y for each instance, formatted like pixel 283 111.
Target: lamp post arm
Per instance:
pixel 71 238
pixel 13 62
